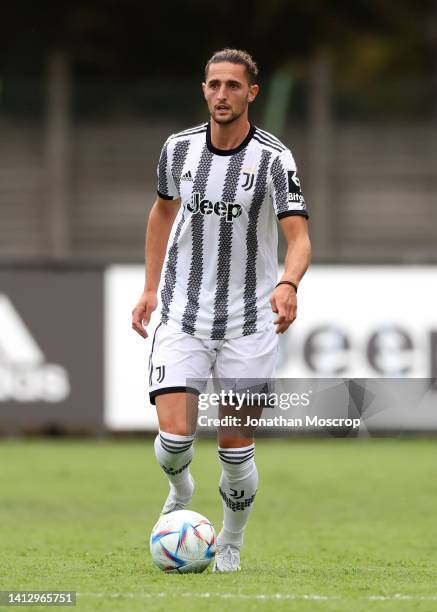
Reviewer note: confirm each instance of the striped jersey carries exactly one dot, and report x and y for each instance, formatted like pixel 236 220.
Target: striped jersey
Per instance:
pixel 221 262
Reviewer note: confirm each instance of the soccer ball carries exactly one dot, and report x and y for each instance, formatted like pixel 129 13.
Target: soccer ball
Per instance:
pixel 182 542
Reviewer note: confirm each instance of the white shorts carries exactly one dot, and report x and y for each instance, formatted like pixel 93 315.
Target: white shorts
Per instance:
pixel 177 357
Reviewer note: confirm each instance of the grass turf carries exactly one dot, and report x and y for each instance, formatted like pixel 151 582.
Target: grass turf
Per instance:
pixel 341 519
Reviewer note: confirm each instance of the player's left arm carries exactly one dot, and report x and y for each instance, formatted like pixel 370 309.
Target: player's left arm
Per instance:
pixel 297 260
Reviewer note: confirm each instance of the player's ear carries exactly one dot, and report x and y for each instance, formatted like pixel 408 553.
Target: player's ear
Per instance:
pixel 203 88
pixel 253 92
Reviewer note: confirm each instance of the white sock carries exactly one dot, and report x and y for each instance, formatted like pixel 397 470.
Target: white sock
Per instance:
pixel 238 485
pixel 174 454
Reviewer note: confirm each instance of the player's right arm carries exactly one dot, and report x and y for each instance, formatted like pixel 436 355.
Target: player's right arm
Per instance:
pixel 159 226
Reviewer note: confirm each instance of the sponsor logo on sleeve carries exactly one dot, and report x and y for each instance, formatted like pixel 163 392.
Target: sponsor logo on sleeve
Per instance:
pixel 294 190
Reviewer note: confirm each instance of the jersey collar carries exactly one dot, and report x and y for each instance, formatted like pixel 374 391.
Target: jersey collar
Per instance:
pixel 241 146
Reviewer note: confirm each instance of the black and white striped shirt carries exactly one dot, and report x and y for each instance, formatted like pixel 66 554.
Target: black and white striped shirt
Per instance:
pixel 221 262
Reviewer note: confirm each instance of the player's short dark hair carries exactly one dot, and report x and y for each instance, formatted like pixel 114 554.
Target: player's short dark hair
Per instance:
pixel 235 56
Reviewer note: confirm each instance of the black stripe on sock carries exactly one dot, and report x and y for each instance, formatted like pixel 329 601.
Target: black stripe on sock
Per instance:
pixel 237 462
pixel 176 447
pixel 236 450
pixel 234 457
pixel 173 450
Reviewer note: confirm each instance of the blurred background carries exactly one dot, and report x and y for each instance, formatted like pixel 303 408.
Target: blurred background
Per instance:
pixel 89 91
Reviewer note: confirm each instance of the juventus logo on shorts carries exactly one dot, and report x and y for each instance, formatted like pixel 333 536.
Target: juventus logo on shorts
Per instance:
pixel 248 183
pixel 161 374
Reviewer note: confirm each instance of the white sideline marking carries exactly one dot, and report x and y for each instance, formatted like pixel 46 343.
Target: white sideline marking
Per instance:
pixel 274 596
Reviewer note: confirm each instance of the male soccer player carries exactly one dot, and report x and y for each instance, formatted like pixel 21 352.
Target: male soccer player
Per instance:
pixel 222 185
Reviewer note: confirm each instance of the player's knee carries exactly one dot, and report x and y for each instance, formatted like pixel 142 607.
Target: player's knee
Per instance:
pixel 177 414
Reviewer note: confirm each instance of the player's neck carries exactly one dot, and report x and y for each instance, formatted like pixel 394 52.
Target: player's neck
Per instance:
pixel 231 135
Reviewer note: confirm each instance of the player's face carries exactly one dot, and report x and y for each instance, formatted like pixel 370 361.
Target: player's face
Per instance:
pixel 227 92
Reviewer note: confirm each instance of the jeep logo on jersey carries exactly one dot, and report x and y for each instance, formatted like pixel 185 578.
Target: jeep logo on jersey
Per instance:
pixel 25 376
pixel 228 210
pixel 294 190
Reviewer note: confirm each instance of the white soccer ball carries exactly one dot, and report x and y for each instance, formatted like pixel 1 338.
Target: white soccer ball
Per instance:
pixel 182 542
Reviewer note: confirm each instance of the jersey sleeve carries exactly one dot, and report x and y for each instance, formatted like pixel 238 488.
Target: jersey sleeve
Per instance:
pixel 166 186
pixel 287 197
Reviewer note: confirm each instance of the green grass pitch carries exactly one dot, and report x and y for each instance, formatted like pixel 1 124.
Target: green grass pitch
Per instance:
pixel 337 525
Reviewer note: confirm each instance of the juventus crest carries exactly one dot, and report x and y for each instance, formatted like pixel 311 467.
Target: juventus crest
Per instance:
pixel 249 178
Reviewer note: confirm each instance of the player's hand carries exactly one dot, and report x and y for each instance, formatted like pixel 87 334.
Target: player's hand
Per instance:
pixel 143 311
pixel 284 304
